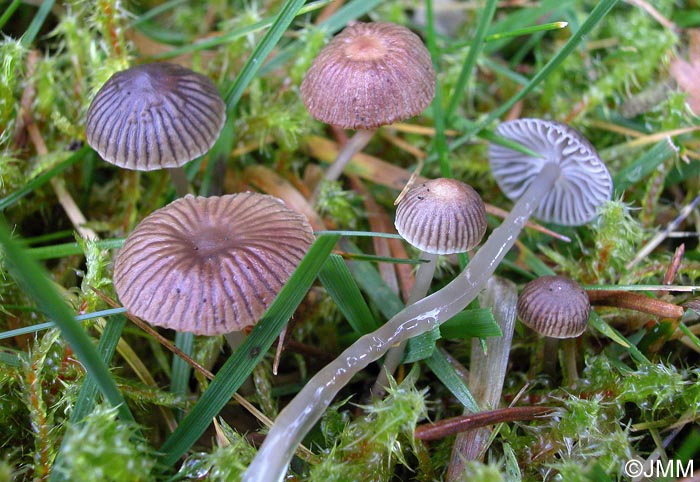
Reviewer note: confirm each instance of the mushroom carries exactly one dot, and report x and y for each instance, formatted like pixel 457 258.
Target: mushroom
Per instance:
pixel 155 116
pixel 210 265
pixel 554 306
pixel 557 308
pixel 580 183
pixel 439 216
pixel 557 172
pixel 370 75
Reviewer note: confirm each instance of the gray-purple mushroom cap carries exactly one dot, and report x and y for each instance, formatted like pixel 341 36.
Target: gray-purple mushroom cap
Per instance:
pixel 583 185
pixel 370 75
pixel 441 216
pixel 155 116
pixel 210 265
pixel 554 306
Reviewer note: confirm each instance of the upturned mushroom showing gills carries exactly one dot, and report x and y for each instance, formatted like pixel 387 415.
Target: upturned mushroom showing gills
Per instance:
pixel 369 75
pixel 554 306
pixel 210 265
pixel 154 116
pixel 582 180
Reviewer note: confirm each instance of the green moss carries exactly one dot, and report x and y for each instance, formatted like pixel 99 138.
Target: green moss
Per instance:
pixel 103 448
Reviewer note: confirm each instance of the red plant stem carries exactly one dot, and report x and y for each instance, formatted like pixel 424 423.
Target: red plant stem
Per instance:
pixel 635 301
pixel 455 425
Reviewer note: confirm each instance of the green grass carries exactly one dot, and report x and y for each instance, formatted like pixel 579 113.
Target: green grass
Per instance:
pixel 73 366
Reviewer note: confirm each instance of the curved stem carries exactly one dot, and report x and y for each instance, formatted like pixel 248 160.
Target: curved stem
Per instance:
pixel 302 413
pixel 424 276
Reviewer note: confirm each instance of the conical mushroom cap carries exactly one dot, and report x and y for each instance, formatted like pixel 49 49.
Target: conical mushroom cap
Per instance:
pixel 369 75
pixel 154 116
pixel 554 306
pixel 441 216
pixel 210 265
pixel 584 183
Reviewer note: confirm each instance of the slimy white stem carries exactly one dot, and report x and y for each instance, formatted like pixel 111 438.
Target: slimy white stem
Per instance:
pixel 424 276
pixel 302 413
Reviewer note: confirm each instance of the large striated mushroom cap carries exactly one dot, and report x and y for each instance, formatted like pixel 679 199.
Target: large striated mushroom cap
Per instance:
pixel 155 116
pixel 369 75
pixel 554 306
pixel 210 265
pixel 584 183
pixel 441 216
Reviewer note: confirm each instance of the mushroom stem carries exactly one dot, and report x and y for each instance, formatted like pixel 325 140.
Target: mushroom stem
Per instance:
pixel 424 275
pixel 180 181
pixel 352 147
pixel 301 414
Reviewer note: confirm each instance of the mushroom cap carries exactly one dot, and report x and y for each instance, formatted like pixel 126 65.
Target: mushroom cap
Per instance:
pixel 369 75
pixel 584 183
pixel 154 116
pixel 554 306
pixel 441 216
pixel 210 265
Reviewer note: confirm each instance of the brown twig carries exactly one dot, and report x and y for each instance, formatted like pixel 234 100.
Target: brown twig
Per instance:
pixel 635 301
pixel 455 425
pixel 672 270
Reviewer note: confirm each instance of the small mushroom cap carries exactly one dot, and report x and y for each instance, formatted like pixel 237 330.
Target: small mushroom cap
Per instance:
pixel 441 216
pixel 554 306
pixel 210 265
pixel 369 75
pixel 584 183
pixel 155 116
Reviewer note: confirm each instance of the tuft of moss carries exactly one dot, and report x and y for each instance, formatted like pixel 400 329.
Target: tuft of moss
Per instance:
pixel 104 448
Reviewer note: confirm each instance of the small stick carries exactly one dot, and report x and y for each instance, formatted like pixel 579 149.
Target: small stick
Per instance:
pixel 658 239
pixel 673 268
pixel 455 425
pixel 637 302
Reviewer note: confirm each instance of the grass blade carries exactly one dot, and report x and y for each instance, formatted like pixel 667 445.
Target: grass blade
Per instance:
pixel 470 61
pixel 600 11
pixel 237 368
pixel 42 179
pixel 337 279
pixel 37 285
pixel 268 42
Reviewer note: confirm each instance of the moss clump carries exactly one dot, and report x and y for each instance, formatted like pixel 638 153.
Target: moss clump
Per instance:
pixel 103 448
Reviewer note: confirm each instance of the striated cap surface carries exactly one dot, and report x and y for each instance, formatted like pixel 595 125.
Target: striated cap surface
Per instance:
pixel 441 216
pixel 369 75
pixel 155 116
pixel 210 265
pixel 554 306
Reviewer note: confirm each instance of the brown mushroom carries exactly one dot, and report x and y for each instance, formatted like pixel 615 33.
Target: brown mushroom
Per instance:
pixel 210 265
pixel 439 216
pixel 369 75
pixel 155 116
pixel 554 306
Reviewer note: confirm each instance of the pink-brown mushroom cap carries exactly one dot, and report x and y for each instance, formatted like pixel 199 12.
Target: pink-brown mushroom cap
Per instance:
pixel 210 265
pixel 369 75
pixel 155 116
pixel 442 216
pixel 554 306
